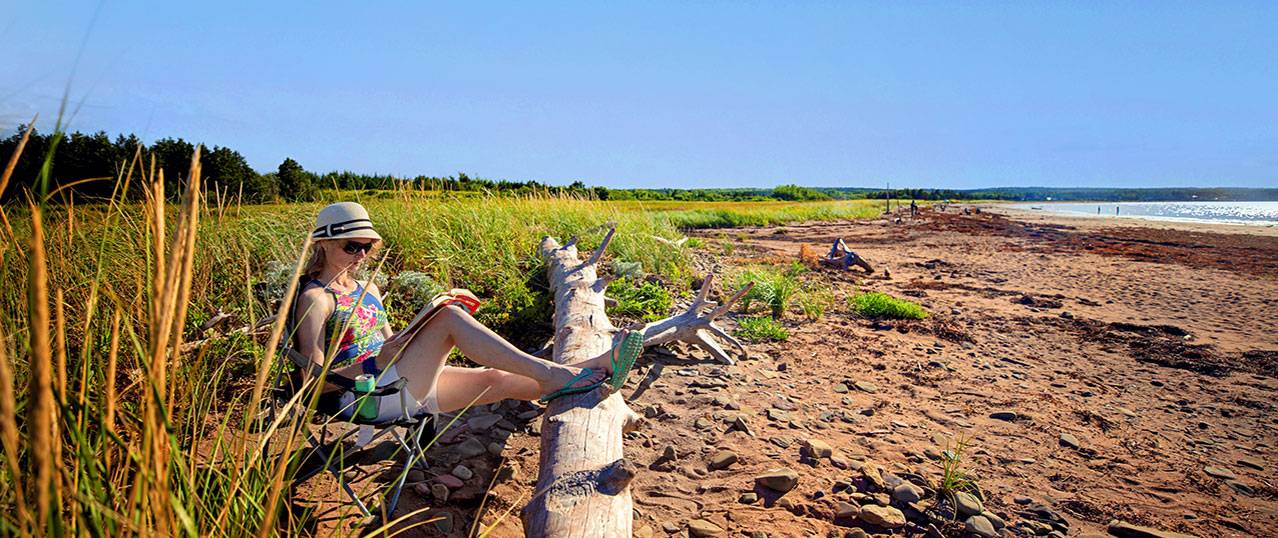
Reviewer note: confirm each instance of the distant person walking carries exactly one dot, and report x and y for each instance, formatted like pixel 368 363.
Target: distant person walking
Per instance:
pixel 914 209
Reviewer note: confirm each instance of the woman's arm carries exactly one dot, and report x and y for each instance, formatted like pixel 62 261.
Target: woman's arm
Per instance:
pixel 313 308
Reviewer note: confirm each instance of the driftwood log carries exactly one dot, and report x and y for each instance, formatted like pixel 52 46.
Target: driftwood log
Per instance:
pixel 841 256
pixel 583 478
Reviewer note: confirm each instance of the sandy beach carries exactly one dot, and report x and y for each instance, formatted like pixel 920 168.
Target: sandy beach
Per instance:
pixel 1101 370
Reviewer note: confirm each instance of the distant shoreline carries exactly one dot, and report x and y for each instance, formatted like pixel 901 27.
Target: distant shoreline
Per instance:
pixel 1082 220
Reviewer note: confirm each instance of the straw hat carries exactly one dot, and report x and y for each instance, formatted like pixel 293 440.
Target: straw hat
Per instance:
pixel 344 220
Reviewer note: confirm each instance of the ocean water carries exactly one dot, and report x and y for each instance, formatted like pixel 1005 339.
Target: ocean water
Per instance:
pixel 1256 213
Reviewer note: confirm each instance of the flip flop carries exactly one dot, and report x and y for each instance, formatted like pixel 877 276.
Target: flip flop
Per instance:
pixel 570 389
pixel 624 355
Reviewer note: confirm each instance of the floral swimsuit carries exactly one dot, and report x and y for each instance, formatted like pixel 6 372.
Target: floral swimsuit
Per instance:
pixel 363 337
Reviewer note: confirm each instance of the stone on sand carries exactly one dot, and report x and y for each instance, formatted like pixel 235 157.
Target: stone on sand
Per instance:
pixel 980 526
pixel 844 510
pixel 1220 472
pixel 967 504
pixel 1122 529
pixel 780 480
pixel 818 448
pixel 882 516
pixel 703 528
pixel 1068 440
pixel 722 460
pixel 907 493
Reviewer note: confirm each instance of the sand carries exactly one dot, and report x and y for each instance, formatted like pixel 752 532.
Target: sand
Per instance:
pixel 1153 347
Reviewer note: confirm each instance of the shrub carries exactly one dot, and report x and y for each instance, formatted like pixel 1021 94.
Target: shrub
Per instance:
pixel 814 301
pixel 761 329
pixel 647 300
pixel 883 306
pixel 774 288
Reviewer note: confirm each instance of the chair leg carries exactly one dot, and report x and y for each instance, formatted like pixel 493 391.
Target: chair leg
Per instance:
pixel 412 455
pixel 329 466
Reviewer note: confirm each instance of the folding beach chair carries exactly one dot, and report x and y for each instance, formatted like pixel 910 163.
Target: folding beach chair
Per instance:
pixel 330 452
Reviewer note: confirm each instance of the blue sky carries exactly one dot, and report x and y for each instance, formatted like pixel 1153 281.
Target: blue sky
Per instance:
pixel 657 94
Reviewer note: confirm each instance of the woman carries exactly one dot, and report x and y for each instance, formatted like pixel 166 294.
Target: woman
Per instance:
pixel 331 300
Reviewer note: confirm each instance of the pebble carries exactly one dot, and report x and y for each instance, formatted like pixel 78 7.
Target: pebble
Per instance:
pixel 968 505
pixel 841 389
pixel 1122 529
pixel 866 386
pixel 907 493
pixel 777 414
pixel 482 422
pixel 1240 487
pixel 439 492
pixel 856 533
pixel 882 516
pixel 1003 415
pixel 1220 472
pixel 423 489
pixel 495 448
pixel 844 510
pixel 818 448
pixel 1253 463
pixel 740 424
pixel 703 528
pixel 449 480
pixel 463 472
pixel 872 477
pixel 781 480
pixel 994 519
pixel 980 526
pixel 722 460
pixel 470 448
pixel 1068 440
pixel 1023 500
pixel 748 497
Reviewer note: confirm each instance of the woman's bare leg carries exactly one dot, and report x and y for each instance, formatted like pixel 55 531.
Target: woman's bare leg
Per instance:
pixel 421 360
pixel 458 387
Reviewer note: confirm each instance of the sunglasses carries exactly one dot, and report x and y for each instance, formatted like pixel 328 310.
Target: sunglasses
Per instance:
pixel 354 247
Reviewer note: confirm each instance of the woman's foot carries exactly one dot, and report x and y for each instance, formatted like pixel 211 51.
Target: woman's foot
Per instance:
pixel 603 363
pixel 570 377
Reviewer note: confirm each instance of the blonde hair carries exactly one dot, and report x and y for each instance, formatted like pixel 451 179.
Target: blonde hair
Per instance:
pixel 316 264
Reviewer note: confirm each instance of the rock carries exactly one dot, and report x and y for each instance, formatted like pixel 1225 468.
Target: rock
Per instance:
pixel 495 448
pixel 470 448
pixel 748 497
pixel 449 480
pixel 423 489
pixel 703 528
pixel 1022 500
pixel 856 533
pixel 872 477
pixel 669 453
pixel 1003 415
pixel 781 480
pixel 480 423
pixel 844 510
pixel 740 424
pixel 980 526
pixel 967 504
pixel 1252 462
pixel 841 389
pixel 882 516
pixel 866 386
pixel 444 522
pixel 1068 440
pixel 907 493
pixel 439 492
pixel 463 472
pixel 818 448
pixel 780 441
pixel 881 499
pixel 416 475
pixel 994 519
pixel 722 460
pixel 777 414
pixel 1122 529
pixel 1240 487
pixel 1220 472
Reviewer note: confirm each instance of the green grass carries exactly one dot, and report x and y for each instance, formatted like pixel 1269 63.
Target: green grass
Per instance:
pixel 954 477
pixel 883 306
pixel 774 288
pixel 646 300
pixel 138 436
pixel 761 329
pixel 814 300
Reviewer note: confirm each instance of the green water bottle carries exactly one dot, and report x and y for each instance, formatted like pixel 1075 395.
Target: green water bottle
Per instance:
pixel 366 406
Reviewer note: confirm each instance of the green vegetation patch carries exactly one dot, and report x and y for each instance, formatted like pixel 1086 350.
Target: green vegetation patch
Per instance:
pixel 760 329
pixel 883 306
pixel 647 300
pixel 773 287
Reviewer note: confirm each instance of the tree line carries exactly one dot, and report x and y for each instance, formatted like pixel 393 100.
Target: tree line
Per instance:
pixel 101 160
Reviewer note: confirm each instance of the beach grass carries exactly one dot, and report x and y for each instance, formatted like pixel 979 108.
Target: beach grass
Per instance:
pixel 761 329
pixel 883 306
pixel 120 416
